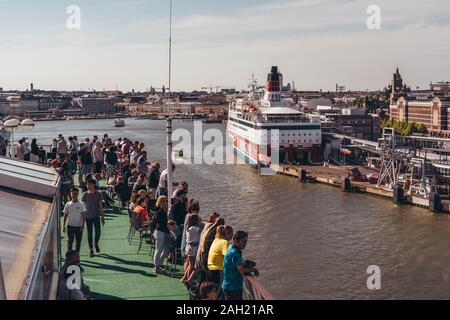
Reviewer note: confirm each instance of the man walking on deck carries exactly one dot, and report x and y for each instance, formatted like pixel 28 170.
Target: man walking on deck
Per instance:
pixel 75 213
pixel 94 215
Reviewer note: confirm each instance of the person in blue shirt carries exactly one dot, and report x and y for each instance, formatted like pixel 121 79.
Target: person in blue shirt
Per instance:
pixel 233 268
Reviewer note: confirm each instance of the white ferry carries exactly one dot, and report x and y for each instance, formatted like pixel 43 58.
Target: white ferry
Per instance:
pixel 252 122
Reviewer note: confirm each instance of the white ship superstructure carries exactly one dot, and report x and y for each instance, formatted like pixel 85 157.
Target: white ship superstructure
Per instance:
pixel 253 123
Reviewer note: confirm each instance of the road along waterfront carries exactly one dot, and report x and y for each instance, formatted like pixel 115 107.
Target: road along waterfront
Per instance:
pixel 310 241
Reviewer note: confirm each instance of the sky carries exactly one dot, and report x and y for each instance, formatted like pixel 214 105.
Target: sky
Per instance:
pixel 316 43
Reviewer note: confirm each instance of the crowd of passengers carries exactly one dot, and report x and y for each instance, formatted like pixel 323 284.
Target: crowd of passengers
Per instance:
pixel 211 249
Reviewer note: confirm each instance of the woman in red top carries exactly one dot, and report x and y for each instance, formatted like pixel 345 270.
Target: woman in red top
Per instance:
pixel 141 210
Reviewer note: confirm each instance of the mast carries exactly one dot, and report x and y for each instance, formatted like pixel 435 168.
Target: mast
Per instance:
pixel 169 120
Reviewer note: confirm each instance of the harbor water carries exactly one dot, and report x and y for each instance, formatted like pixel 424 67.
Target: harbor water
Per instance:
pixel 309 241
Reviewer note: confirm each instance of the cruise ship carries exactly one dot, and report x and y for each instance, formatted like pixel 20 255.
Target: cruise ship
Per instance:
pixel 254 122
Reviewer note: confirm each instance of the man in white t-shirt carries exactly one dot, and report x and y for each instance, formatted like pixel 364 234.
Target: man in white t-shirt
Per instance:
pixel 75 214
pixel 162 186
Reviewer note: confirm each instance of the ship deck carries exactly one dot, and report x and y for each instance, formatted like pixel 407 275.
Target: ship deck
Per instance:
pixel 118 272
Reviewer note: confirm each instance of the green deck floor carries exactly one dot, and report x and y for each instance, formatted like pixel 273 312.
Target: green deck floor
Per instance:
pixel 118 272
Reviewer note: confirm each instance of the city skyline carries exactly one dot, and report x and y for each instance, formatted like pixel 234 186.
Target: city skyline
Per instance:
pixel 315 43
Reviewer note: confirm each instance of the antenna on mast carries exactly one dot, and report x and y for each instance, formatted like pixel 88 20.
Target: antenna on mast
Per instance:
pixel 169 119
pixel 170 53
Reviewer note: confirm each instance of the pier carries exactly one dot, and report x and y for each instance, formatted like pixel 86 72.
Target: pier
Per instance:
pixel 337 176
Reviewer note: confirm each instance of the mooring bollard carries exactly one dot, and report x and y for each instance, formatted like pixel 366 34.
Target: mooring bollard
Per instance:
pixel 346 185
pixel 303 176
pixel 435 203
pixel 398 195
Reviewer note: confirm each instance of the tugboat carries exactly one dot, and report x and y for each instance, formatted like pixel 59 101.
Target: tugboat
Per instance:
pixel 119 123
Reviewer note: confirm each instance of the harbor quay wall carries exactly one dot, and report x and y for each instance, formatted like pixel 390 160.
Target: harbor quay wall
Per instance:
pixel 339 177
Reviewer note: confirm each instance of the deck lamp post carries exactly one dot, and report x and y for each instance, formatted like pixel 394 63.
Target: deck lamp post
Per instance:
pixel 11 126
pixel 27 124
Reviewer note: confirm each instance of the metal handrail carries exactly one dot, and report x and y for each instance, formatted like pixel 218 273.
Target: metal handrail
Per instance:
pixel 2 284
pixel 255 291
pixel 54 285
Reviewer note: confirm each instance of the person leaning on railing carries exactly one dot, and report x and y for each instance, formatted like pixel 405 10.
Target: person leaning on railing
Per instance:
pixel 217 253
pixel 234 269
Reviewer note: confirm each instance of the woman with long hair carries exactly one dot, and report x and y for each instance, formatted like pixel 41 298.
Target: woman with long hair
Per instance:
pixel 193 207
pixel 206 239
pixel 192 242
pixel 133 201
pixel 217 252
pixel 161 234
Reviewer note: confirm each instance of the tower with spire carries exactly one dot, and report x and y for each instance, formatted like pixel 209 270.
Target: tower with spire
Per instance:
pixel 397 86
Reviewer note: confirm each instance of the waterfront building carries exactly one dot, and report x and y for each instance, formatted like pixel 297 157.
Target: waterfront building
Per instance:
pixel 50 104
pixel 351 121
pixel 94 105
pixel 311 104
pixel 153 107
pixel 28 105
pixel 4 105
pixel 442 87
pixel 432 113
pixel 179 107
pixel 211 108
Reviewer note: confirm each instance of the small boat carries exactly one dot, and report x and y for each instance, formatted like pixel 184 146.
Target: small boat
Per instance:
pixel 119 123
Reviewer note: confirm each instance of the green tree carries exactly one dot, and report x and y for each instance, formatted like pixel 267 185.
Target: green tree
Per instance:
pixel 404 128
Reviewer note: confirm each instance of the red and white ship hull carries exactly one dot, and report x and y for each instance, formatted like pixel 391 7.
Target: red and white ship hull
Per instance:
pixel 298 145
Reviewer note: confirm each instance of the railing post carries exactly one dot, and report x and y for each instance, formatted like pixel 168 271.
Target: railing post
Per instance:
pixel 2 284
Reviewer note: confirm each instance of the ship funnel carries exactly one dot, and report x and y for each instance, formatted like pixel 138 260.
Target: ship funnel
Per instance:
pixel 274 80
